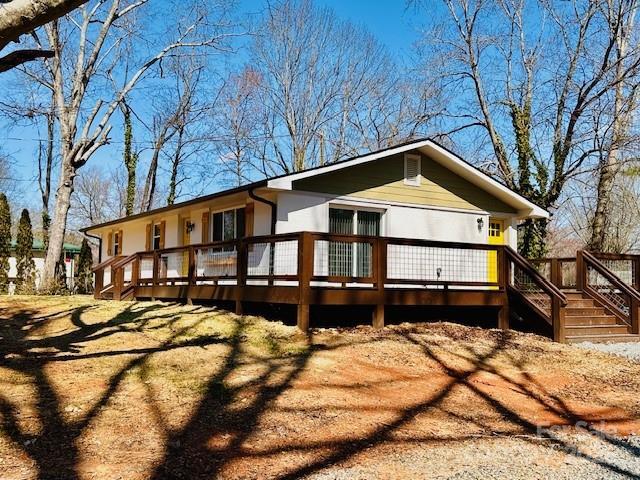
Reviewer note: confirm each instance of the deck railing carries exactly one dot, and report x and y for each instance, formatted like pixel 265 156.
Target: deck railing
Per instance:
pixel 600 282
pixel 332 261
pixel 530 287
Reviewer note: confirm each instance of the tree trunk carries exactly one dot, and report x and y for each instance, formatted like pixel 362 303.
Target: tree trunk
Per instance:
pixel 171 198
pixel 61 210
pixel 610 167
pixel 531 238
pixel 130 162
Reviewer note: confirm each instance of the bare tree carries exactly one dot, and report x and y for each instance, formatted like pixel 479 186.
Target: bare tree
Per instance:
pixel 315 71
pixel 86 51
pixel 537 70
pixel 237 124
pixel 624 105
pixel 97 197
pixel 19 17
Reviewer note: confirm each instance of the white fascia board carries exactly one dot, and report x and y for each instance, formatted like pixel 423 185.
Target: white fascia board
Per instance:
pixel 286 183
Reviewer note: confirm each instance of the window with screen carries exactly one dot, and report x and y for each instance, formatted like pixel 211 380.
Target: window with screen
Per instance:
pixel 117 248
pixel 157 233
pixel 228 225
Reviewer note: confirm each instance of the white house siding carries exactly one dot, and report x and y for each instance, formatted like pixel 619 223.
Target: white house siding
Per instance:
pixel 300 211
pixel 38 260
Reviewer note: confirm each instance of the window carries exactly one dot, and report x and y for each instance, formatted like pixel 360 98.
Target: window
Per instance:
pixel 156 236
pixel 412 170
pixel 117 241
pixel 228 225
pixel 352 259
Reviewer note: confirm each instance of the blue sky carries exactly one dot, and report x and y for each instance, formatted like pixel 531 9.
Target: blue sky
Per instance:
pixel 392 22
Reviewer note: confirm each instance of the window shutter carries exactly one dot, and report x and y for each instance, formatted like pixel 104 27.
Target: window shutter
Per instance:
pixel 248 219
pixel 147 238
pixel 205 227
pixel 120 243
pixel 162 230
pixel 110 243
pixel 217 227
pixel 240 223
pixel 412 170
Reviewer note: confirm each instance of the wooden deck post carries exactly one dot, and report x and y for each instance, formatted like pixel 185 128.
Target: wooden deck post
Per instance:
pixel 557 316
pixel 504 275
pixel 241 274
pixel 635 316
pixel 556 273
pixel 154 282
pixel 98 283
pixel 305 272
pixel 380 276
pixel 118 282
pixel 191 274
pixel 580 271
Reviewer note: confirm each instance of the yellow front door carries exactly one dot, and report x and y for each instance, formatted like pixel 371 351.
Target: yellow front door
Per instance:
pixel 496 237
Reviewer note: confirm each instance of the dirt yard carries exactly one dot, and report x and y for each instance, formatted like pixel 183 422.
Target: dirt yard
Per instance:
pixel 136 390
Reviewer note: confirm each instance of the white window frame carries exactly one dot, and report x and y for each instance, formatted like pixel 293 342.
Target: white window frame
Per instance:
pixel 412 182
pixel 355 209
pixel 342 206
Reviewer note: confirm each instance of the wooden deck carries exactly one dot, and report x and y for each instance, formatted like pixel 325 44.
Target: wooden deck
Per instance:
pixel 307 269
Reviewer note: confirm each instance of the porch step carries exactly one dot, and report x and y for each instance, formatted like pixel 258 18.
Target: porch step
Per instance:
pixel 573 311
pixel 574 294
pixel 589 330
pixel 582 320
pixel 581 303
pixel 613 338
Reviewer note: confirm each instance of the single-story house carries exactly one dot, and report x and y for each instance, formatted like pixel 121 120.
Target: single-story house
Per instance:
pixel 418 190
pixel 413 224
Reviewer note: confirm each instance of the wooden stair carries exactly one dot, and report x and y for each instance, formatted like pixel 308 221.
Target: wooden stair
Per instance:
pixel 587 320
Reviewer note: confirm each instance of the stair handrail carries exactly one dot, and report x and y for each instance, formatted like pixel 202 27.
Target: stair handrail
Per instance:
pixel 124 260
pixel 556 316
pixel 584 258
pixel 105 263
pixel 546 285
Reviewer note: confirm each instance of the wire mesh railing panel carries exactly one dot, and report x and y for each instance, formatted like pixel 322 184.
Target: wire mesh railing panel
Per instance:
pixel 216 261
pixel 543 267
pixel 173 265
pixel 527 285
pixel 335 258
pixel 277 258
pixel 441 264
pixel 145 270
pixel 128 272
pixel 616 298
pixel 622 268
pixel 568 272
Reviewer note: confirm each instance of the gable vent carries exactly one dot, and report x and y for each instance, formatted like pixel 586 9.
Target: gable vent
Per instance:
pixel 412 170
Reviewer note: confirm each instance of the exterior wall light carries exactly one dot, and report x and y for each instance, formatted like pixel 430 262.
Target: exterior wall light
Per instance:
pixel 190 226
pixel 480 223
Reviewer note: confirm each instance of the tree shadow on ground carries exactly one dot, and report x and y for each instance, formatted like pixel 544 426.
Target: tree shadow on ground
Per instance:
pixel 233 411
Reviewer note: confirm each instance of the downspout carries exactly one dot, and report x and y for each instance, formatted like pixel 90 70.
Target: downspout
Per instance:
pixel 99 245
pixel 273 205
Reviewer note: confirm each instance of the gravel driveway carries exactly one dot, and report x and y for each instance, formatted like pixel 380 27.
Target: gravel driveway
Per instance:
pixel 628 350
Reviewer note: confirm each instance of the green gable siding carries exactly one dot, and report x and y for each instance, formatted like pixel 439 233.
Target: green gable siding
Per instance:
pixel 384 180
